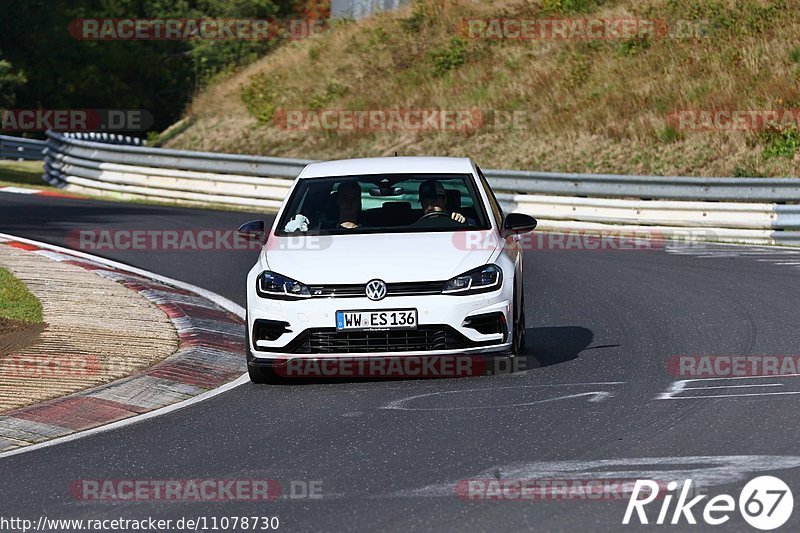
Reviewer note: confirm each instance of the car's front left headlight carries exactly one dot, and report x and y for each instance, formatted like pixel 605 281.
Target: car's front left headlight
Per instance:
pixel 483 279
pixel 274 285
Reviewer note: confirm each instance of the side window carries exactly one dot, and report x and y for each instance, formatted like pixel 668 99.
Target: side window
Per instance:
pixel 496 209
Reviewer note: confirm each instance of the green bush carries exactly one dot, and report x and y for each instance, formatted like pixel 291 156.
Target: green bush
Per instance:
pixel 632 47
pixel 782 143
pixel 416 21
pixel 261 97
pixel 669 135
pixel 451 57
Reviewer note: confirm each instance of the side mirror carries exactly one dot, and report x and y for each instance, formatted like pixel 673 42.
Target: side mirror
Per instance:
pixel 516 223
pixel 254 230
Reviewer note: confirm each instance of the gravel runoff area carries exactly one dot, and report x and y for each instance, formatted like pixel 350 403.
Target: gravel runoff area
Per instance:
pixel 117 343
pixel 96 331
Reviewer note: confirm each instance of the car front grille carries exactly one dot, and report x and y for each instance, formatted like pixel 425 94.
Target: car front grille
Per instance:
pixel 415 288
pixel 330 341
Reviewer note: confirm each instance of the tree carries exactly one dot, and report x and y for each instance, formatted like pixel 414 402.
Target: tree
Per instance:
pixel 10 81
pixel 61 72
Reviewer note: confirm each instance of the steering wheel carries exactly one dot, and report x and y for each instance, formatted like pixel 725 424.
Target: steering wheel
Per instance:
pixel 435 214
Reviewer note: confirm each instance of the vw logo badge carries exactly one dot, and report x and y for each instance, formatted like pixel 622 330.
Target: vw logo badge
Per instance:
pixel 376 289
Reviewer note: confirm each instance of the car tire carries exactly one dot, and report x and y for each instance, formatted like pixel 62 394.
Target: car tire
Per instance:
pixel 518 342
pixel 522 324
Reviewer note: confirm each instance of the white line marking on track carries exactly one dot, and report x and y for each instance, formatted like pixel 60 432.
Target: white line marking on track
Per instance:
pixel 680 386
pixel 735 386
pixel 705 397
pixel 19 190
pixel 594 396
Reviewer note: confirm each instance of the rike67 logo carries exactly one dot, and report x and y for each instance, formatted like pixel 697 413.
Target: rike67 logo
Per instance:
pixel 765 503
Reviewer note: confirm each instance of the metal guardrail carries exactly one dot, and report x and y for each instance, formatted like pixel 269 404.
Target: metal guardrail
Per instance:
pixel 648 187
pixel 21 149
pixel 361 8
pixel 758 210
pixel 103 137
pixel 168 175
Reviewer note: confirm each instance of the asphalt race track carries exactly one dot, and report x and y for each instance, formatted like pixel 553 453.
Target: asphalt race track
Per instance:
pixel 597 400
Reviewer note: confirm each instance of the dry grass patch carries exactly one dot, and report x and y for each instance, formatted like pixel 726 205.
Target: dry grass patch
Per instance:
pixel 594 106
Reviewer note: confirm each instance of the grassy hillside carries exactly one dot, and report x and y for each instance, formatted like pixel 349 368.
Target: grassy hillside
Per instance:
pixel 587 106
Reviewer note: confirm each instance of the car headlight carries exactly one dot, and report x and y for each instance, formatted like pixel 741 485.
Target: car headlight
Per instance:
pixel 276 286
pixel 483 279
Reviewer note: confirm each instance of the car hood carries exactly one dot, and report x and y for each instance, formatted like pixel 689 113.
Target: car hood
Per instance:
pixel 397 257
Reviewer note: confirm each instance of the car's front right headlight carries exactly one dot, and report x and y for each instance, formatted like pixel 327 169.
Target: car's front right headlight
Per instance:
pixel 482 279
pixel 277 286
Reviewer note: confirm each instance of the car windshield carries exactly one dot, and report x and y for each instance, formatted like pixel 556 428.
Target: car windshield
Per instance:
pixel 384 204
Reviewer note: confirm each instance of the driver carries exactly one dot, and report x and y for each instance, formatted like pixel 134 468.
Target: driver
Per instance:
pixel 433 199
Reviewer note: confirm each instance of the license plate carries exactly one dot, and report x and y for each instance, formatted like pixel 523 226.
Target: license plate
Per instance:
pixel 376 320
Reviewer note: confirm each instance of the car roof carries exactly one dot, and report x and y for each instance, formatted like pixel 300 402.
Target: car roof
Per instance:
pixel 388 165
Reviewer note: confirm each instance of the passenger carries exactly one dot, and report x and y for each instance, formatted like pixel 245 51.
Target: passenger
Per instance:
pixel 348 198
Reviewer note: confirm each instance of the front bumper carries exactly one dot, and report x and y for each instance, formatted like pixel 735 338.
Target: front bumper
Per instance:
pixel 443 327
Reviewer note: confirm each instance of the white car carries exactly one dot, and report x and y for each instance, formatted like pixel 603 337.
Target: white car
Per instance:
pixel 385 257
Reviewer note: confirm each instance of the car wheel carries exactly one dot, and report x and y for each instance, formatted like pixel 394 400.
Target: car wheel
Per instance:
pixel 522 327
